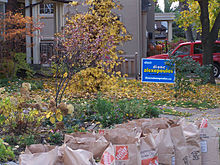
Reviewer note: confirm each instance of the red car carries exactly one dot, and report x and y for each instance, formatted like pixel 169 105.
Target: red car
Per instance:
pixel 194 49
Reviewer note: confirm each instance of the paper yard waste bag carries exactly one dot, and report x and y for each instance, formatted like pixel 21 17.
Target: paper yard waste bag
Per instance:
pixel 77 157
pixel 166 153
pixel 192 136
pixel 87 141
pixel 148 150
pixel 179 141
pixel 209 140
pixel 132 126
pixel 38 148
pixel 121 135
pixel 152 125
pixel 126 146
pixel 108 157
pixel 41 158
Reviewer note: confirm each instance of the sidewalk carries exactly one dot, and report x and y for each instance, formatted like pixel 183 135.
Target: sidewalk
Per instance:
pixel 213 115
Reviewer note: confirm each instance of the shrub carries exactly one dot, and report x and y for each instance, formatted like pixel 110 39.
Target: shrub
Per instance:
pixel 22 68
pixel 92 80
pixel 188 73
pixel 19 117
pixel 110 113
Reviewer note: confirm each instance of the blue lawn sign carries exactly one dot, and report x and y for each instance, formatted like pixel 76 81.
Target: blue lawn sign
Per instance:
pixel 156 70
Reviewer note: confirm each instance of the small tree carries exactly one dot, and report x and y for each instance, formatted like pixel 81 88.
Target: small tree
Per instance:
pixel 14 29
pixel 88 39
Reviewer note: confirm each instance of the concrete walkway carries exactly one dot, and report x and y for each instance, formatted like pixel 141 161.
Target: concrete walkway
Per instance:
pixel 213 115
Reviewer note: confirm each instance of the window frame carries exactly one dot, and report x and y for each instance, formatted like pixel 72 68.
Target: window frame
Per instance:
pixel 47 14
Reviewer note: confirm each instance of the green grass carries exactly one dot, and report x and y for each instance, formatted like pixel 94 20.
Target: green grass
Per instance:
pixel 186 104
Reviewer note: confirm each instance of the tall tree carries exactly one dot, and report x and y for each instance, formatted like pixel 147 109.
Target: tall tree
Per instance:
pixel 209 35
pixel 183 6
pixel 204 16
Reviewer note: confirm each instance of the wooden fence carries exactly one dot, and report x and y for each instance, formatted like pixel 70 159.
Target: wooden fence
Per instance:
pixel 128 65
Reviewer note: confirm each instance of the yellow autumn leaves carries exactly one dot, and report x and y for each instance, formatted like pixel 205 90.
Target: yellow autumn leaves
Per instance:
pixel 192 16
pixel 89 82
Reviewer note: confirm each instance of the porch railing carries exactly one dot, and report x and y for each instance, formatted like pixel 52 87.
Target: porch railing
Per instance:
pixel 128 65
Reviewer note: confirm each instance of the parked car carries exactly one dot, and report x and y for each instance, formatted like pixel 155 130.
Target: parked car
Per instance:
pixel 194 49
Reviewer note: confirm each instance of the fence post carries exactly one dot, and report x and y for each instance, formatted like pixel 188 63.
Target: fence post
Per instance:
pixel 135 59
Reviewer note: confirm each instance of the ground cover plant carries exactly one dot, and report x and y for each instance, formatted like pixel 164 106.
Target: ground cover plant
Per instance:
pixel 5 152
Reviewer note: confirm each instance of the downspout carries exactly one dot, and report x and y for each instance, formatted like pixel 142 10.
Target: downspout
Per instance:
pixel 139 38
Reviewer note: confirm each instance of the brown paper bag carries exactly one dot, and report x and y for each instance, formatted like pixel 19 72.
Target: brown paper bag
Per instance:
pixel 148 150
pixel 132 126
pixel 108 157
pixel 125 142
pixel 153 125
pixel 58 156
pixel 209 143
pixel 77 157
pixel 121 136
pixel 192 136
pixel 41 158
pixel 166 155
pixel 179 141
pixel 87 141
pixel 38 148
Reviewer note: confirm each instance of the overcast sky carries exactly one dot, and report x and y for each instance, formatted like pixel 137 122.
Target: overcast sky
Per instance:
pixel 161 4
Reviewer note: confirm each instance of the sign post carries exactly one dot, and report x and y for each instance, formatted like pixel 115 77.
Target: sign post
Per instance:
pixel 157 71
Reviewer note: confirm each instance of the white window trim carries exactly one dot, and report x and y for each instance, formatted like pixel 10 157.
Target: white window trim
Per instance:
pixel 45 14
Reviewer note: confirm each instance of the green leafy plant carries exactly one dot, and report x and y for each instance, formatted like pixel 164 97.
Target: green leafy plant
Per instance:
pixel 6 153
pixel 110 113
pixel 27 140
pixel 6 68
pixel 188 73
pixel 55 137
pixel 22 68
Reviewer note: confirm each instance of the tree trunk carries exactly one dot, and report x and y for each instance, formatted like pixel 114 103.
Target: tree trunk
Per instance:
pixel 208 37
pixel 189 34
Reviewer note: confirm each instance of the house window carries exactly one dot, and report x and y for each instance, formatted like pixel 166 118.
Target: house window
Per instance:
pixel 2 10
pixel 47 8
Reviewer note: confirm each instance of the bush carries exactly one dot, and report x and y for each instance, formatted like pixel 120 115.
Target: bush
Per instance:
pixel 19 117
pixel 6 153
pixel 92 80
pixel 188 73
pixel 107 112
pixel 110 113
pixel 7 68
pixel 22 68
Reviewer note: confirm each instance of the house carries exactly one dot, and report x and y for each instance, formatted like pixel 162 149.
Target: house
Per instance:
pixel 135 15
pixel 2 5
pixel 2 10
pixel 164 26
